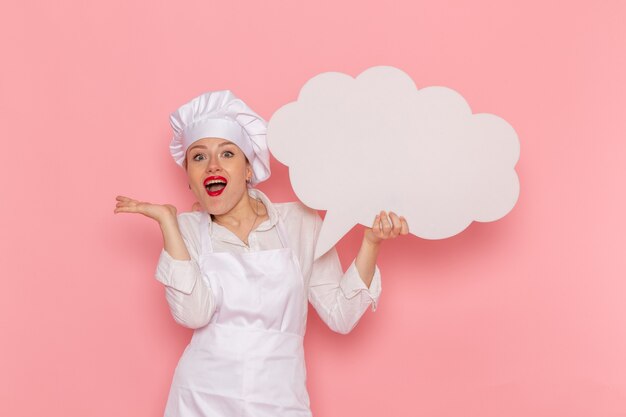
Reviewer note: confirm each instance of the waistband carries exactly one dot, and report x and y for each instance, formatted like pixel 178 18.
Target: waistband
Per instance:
pixel 246 341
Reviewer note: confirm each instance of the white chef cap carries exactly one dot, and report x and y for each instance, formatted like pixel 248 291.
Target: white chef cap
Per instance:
pixel 219 114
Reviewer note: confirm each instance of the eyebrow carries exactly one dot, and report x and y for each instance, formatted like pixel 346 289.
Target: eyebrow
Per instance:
pixel 203 146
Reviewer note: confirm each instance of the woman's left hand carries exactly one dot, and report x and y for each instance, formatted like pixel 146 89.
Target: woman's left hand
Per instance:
pixel 386 227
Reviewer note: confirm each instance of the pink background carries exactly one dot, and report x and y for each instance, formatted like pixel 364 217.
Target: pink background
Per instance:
pixel 522 317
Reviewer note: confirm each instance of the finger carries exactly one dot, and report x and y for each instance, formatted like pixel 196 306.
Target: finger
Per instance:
pixel 124 210
pixel 127 208
pixel 380 223
pixel 386 224
pixel 376 224
pixel 377 227
pixel 396 224
pixel 126 203
pixel 122 198
pixel 405 226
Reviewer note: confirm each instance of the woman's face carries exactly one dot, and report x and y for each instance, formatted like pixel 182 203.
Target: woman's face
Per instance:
pixel 217 170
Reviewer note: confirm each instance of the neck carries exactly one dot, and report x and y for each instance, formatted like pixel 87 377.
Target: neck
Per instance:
pixel 240 214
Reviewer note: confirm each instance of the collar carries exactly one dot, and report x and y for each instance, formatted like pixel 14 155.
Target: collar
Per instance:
pixel 271 211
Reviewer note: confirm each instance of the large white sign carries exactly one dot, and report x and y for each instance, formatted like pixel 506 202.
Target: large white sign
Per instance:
pixel 355 146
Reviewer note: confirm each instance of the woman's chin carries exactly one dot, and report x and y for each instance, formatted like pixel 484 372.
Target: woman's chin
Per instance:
pixel 216 209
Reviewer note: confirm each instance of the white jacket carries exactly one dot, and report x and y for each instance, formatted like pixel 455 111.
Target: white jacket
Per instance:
pixel 339 298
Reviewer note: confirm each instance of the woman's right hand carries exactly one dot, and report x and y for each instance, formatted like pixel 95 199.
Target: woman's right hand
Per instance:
pixel 159 212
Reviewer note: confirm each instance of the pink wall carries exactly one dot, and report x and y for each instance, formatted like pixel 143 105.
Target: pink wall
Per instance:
pixel 522 317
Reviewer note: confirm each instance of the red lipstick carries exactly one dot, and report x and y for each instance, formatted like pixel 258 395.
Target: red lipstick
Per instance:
pixel 215 190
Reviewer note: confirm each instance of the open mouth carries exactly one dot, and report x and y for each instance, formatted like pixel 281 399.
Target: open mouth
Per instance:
pixel 215 185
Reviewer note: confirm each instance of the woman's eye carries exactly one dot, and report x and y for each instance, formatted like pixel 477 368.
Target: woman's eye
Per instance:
pixel 198 157
pixel 228 154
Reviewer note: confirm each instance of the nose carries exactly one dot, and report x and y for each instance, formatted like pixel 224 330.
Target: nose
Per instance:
pixel 213 165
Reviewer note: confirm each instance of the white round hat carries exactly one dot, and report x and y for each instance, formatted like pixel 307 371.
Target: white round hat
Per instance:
pixel 220 114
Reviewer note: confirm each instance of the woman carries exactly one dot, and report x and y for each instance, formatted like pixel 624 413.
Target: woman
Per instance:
pixel 240 270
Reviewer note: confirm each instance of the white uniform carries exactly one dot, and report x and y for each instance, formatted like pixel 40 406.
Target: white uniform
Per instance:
pixel 249 310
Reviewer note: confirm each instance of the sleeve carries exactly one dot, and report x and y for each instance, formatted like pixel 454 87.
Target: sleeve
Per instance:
pixel 189 297
pixel 340 298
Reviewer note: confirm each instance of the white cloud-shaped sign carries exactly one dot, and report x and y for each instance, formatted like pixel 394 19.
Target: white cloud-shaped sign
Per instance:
pixel 377 142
